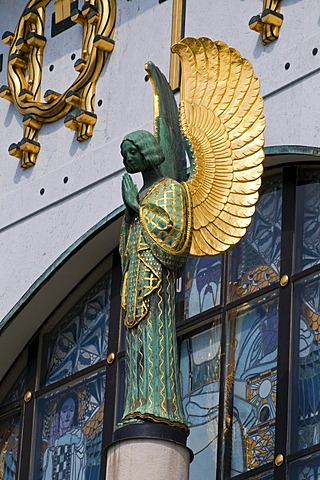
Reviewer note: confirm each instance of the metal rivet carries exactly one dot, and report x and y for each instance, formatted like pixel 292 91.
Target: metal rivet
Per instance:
pixel 228 421
pixel 111 358
pixel 284 280
pixel 279 460
pixel 27 396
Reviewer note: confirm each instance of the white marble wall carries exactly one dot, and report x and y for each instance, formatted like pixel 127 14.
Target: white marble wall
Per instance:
pixel 36 229
pixel 292 97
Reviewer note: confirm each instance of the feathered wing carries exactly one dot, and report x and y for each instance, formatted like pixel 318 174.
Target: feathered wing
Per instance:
pixel 221 117
pixel 93 426
pixel 166 125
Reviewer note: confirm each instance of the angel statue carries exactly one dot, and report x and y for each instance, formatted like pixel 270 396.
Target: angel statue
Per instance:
pixel 220 126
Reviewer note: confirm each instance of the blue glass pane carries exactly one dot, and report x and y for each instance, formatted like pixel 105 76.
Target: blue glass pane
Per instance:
pixel 308 220
pixel 255 261
pixel 9 439
pixel 252 383
pixel 200 285
pixel 70 423
pixel 262 476
pixel 306 388
pixel 307 468
pixel 200 374
pixel 81 338
pixel 17 390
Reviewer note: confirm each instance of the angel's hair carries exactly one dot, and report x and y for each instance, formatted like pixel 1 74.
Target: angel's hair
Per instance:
pixel 147 144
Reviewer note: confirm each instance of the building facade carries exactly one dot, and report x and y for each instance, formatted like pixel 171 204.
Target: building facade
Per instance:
pixel 248 322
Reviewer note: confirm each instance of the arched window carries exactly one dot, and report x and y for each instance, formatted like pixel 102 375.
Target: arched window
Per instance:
pixel 10 420
pixel 249 330
pixel 57 417
pixel 248 326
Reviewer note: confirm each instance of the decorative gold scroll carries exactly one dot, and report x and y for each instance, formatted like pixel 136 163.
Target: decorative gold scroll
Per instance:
pixel 27 44
pixel 269 22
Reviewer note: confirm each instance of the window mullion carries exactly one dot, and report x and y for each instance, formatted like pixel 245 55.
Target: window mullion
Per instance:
pixel 27 412
pixel 222 394
pixel 42 369
pixel 285 307
pixel 226 406
pixel 111 369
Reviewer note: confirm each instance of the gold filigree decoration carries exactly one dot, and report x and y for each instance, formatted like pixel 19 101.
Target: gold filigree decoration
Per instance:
pixel 27 44
pixel 269 22
pixel 312 319
pixel 221 117
pixel 150 416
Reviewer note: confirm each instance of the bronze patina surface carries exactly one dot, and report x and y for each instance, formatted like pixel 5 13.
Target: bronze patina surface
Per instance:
pixel 220 125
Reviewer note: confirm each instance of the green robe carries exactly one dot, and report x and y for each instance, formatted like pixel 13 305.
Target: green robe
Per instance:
pixel 153 247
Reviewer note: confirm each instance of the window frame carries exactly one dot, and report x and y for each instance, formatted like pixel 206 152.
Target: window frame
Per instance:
pixel 196 324
pixel 35 353
pixel 285 294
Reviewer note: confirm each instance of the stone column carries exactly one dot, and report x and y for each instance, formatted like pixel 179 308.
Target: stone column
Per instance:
pixel 148 451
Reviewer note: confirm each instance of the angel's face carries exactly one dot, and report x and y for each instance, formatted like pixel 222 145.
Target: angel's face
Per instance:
pixel 67 414
pixel 133 159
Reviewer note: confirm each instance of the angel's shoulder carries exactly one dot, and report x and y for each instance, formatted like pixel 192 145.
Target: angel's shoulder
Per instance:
pixel 164 192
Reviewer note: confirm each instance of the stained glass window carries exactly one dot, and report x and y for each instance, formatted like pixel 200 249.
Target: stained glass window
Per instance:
pixel 306 469
pixel 262 476
pixel 9 440
pixel 200 375
pixel 200 285
pixel 81 338
pixel 229 353
pixel 252 383
pixel 17 390
pixel 308 219
pixel 255 261
pixel 306 391
pixel 70 422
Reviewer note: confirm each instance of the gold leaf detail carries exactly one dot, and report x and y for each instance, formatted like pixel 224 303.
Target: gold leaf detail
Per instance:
pixel 221 116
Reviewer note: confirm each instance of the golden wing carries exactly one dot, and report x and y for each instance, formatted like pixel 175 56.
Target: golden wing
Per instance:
pixel 94 425
pixel 221 117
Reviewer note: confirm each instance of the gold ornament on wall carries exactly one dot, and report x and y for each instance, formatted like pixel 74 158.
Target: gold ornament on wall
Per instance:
pixel 25 61
pixel 269 22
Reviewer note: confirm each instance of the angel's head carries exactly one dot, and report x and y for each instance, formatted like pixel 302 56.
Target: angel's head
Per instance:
pixel 141 151
pixel 67 409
